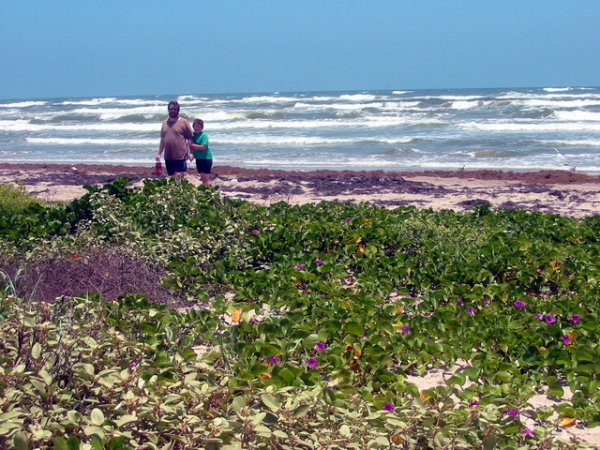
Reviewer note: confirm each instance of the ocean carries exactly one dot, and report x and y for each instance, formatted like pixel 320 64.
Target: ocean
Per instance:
pixel 499 129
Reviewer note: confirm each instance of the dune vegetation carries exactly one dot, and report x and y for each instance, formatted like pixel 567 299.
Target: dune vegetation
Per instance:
pixel 169 317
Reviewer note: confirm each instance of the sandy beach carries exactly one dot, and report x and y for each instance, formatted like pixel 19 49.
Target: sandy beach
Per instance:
pixel 556 192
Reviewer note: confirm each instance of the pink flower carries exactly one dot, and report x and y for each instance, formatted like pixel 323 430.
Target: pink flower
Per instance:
pixel 539 316
pixel 320 346
pixel 405 329
pixel 520 304
pixel 575 318
pixel 549 318
pixel 389 407
pixel 528 432
pixel 566 339
pixel 512 412
pixel 300 266
pixel 255 232
pixel 273 360
pixel 312 362
pixel 318 261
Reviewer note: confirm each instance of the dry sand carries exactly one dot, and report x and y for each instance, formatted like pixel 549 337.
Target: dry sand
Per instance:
pixel 557 192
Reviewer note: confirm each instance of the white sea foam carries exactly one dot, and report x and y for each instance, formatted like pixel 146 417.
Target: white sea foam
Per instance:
pixel 571 143
pixel 532 126
pixel 358 97
pixel 124 102
pixel 25 104
pixel 563 89
pixel 276 141
pixel 94 141
pixel 26 125
pixel 577 116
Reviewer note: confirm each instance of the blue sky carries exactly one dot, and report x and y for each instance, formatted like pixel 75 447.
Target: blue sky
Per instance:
pixel 60 48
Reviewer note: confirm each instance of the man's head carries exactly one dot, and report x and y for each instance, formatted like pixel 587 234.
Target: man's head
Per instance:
pixel 173 109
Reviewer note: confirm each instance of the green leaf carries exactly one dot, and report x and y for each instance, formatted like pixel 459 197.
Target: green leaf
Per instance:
pixel 36 350
pixel 60 444
pixel 503 376
pixel 270 402
pixel 73 443
pixel 354 328
pixel 97 416
pixel 94 431
pixel 10 415
pixel 20 441
pixel 556 391
pixel 125 419
pixel 238 404
pixel 458 378
pixel 301 411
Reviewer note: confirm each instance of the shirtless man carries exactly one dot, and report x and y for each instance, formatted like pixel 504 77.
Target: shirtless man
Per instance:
pixel 175 136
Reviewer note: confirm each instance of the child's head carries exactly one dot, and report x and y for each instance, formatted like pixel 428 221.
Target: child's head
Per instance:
pixel 199 122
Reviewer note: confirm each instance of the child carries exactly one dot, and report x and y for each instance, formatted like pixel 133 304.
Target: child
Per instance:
pixel 202 152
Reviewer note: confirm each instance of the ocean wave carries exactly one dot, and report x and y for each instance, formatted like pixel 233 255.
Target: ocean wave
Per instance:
pixel 358 97
pixel 578 116
pixel 124 102
pixel 26 125
pixel 93 141
pixel 549 126
pixel 571 143
pixel 24 104
pixel 490 153
pixel 269 139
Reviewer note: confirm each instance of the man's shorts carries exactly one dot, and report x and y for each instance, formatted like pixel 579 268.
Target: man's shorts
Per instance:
pixel 204 165
pixel 175 165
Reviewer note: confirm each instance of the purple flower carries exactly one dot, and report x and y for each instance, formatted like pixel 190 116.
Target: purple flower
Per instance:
pixel 133 364
pixel 389 407
pixel 365 334
pixel 255 232
pixel 539 316
pixel 528 432
pixel 460 302
pixel 575 318
pixel 471 310
pixel 320 346
pixel 549 318
pixel 347 219
pixel 473 403
pixel 566 339
pixel 312 362
pixel 520 304
pixel 273 360
pixel 405 329
pixel 318 261
pixel 300 266
pixel 512 412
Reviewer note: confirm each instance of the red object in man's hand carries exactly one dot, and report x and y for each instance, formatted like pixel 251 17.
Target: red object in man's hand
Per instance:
pixel 158 168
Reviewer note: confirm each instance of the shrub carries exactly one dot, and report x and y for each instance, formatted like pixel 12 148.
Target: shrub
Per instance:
pixel 14 200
